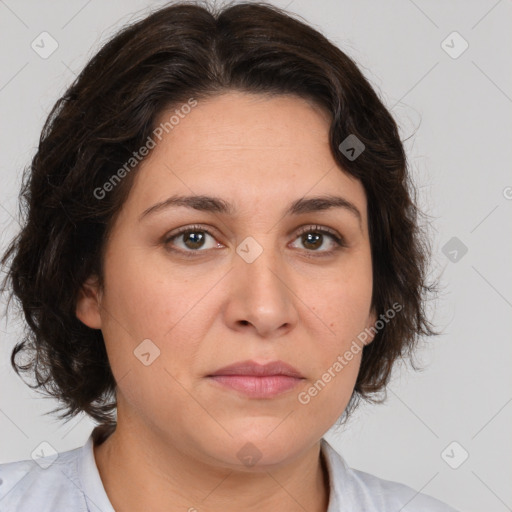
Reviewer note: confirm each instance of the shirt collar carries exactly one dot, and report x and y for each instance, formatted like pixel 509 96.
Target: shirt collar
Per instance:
pixel 92 486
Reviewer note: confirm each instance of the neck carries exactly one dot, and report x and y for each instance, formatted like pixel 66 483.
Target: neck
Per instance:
pixel 140 472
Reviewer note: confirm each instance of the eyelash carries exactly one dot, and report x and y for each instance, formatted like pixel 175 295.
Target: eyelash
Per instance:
pixel 340 241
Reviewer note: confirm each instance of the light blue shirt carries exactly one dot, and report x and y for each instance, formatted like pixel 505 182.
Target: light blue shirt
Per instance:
pixel 72 483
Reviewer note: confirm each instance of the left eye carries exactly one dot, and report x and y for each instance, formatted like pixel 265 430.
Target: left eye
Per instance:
pixel 313 238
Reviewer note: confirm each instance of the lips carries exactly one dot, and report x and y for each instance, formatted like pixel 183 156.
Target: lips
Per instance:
pixel 258 381
pixel 257 370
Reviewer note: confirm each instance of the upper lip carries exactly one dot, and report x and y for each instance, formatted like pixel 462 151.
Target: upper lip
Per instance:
pixel 259 370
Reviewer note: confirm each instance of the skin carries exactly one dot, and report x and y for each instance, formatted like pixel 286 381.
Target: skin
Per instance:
pixel 178 434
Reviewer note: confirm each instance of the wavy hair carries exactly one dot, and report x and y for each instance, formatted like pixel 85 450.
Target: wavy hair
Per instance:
pixel 180 51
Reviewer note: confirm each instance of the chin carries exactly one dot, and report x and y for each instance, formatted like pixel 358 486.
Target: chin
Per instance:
pixel 259 447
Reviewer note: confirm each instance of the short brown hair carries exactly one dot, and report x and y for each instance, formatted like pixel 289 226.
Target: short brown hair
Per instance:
pixel 180 51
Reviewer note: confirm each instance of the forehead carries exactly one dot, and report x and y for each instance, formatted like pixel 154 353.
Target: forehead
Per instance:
pixel 262 117
pixel 251 149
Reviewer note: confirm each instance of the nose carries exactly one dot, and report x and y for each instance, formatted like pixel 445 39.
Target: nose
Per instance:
pixel 261 295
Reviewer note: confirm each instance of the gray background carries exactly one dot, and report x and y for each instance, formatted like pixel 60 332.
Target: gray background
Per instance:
pixel 456 112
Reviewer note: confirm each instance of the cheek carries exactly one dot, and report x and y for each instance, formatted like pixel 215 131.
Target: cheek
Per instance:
pixel 148 335
pixel 170 309
pixel 341 310
pixel 342 304
pixel 145 301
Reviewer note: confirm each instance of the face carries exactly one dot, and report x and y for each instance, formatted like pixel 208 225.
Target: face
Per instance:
pixel 192 288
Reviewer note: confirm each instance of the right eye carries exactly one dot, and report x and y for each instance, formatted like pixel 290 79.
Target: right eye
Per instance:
pixel 193 239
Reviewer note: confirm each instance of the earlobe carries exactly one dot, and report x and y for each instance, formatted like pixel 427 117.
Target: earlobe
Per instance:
pixel 88 303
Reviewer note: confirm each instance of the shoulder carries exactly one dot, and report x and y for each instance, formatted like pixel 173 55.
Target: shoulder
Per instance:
pixel 364 491
pixel 46 484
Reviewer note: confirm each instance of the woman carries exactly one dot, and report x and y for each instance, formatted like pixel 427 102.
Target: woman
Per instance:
pixel 220 258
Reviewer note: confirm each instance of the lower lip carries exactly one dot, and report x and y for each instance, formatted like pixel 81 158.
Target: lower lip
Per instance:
pixel 258 387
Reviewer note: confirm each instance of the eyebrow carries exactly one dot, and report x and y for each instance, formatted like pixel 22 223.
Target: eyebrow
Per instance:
pixel 212 204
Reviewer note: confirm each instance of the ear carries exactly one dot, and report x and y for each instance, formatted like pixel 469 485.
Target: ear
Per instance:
pixel 89 302
pixel 370 327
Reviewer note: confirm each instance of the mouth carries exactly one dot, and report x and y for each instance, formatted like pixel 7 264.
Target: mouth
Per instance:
pixel 258 381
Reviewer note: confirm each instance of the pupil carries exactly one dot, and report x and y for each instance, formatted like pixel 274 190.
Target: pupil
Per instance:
pixel 310 236
pixel 197 239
